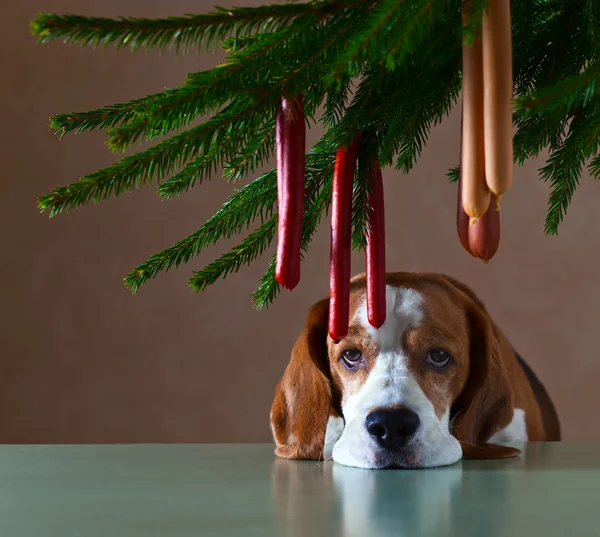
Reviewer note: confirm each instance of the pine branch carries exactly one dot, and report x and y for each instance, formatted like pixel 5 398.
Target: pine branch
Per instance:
pixel 298 57
pixel 103 118
pixel 594 168
pixel 563 97
pixel 536 132
pixel 335 104
pixel 563 167
pixel 360 209
pixel 361 189
pixel 222 149
pixel 133 171
pixel 414 26
pixel 255 154
pixel 453 174
pixel 413 131
pixel 243 254
pixel 383 17
pixel 255 199
pixel 182 33
pixel 203 92
pixel 268 287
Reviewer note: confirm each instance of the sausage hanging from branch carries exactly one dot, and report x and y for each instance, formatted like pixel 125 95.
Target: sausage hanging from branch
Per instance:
pixel 481 238
pixel 475 192
pixel 290 131
pixel 486 131
pixel 484 235
pixel 375 251
pixel 497 102
pixel 462 221
pixel 341 241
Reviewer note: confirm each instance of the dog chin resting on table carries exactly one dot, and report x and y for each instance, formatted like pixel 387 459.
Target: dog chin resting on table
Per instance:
pixel 437 382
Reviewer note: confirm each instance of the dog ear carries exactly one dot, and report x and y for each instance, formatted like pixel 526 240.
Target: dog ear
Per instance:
pixel 485 405
pixel 303 397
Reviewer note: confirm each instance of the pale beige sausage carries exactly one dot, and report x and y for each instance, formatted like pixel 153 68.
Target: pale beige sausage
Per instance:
pixel 475 193
pixel 497 96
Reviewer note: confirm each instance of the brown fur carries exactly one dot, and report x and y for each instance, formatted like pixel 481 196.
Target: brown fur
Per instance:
pixel 303 398
pixel 483 386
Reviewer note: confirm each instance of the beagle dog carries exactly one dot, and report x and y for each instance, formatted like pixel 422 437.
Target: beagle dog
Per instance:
pixel 437 382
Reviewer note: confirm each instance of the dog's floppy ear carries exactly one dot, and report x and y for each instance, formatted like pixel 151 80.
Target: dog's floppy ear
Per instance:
pixel 303 398
pixel 485 404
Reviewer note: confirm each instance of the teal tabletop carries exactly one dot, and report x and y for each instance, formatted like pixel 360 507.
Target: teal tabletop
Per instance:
pixel 242 490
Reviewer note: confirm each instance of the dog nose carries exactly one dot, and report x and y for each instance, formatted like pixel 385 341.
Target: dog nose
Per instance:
pixel 392 428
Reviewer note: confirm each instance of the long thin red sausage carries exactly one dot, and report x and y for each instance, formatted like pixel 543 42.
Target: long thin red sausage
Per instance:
pixel 341 241
pixel 376 307
pixel 290 130
pixel 484 235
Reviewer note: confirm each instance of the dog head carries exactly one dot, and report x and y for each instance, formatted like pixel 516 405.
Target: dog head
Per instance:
pixel 424 390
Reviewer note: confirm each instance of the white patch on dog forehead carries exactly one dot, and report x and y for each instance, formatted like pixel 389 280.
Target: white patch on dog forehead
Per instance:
pixel 403 310
pixel 389 378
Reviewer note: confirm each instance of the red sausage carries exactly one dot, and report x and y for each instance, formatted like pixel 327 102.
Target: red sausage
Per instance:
pixel 484 235
pixel 290 132
pixel 341 241
pixel 376 307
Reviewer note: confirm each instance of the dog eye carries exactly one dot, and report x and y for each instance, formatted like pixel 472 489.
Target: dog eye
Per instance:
pixel 439 358
pixel 351 357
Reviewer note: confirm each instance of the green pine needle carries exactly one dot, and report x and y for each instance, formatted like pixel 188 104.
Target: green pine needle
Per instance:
pixel 564 166
pixel 255 199
pixel 453 174
pixel 243 254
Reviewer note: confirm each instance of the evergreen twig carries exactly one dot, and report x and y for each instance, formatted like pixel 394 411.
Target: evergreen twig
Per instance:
pixel 182 33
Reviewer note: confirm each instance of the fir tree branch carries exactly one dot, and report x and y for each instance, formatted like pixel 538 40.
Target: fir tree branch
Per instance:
pixel 537 131
pixel 255 199
pixel 453 174
pixel 268 287
pixel 254 155
pixel 182 33
pixel 103 118
pixel 203 92
pixel 361 189
pixel 413 26
pixel 133 171
pixel 360 208
pixel 336 100
pixel 243 254
pixel 563 167
pixel 563 97
pixel 382 18
pixel 237 76
pixel 223 148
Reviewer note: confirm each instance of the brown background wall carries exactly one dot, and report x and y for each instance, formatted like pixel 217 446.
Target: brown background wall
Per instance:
pixel 83 361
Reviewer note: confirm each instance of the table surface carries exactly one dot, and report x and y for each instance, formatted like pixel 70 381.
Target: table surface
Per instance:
pixel 242 491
